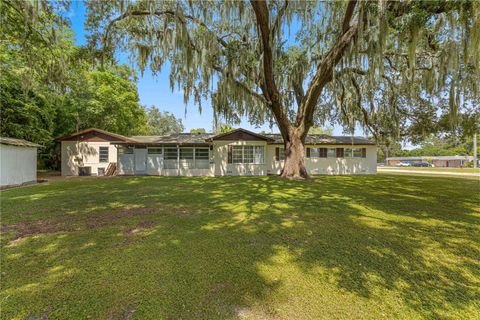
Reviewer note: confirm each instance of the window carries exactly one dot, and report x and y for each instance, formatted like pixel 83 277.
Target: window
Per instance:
pixel 322 152
pixel 279 154
pixel 154 150
pixel 314 153
pixel 331 153
pixel 103 152
pixel 340 152
pixel 125 150
pixel 247 154
pixel 348 153
pixel 237 154
pixel 201 153
pixel 357 152
pixel 170 153
pixel 202 160
pixel 186 153
pixel 258 154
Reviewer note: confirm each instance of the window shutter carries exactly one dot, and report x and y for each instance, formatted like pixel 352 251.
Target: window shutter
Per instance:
pixel 277 153
pixel 340 153
pixel 308 152
pixel 364 152
pixel 229 153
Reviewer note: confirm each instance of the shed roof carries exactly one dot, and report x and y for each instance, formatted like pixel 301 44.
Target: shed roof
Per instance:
pixel 18 142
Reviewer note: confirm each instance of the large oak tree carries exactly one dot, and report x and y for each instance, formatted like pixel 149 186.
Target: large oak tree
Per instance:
pixel 299 64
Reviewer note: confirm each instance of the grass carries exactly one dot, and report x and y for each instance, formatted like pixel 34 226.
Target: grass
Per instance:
pixel 344 247
pixel 459 170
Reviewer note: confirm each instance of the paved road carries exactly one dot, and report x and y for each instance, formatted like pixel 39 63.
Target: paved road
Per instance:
pixel 450 173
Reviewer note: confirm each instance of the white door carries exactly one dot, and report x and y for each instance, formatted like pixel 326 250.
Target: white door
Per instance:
pixel 140 161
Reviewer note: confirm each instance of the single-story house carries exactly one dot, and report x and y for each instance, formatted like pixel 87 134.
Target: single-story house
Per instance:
pixel 239 152
pixel 437 161
pixel 18 161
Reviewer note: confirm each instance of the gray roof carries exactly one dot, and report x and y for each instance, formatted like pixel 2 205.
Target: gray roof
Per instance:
pixel 176 138
pixel 201 138
pixel 326 139
pixel 18 142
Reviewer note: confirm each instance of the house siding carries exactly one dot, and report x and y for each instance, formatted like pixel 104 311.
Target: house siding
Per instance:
pixel 76 154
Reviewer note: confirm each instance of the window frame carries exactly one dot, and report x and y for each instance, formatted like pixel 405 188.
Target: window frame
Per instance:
pixel 100 159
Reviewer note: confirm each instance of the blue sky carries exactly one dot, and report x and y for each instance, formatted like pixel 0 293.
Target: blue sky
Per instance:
pixel 156 90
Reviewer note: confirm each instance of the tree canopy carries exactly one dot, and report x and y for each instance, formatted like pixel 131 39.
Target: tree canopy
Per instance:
pixel 302 63
pixel 163 123
pixel 50 87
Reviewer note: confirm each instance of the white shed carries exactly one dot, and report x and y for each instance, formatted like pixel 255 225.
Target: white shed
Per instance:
pixel 18 161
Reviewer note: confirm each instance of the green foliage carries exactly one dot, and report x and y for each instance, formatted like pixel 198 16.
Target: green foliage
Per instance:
pixel 198 130
pixel 163 123
pixel 405 55
pixel 319 130
pixel 50 87
pixel 223 128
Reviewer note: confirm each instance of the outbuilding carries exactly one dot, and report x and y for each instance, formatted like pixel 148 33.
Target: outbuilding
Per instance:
pixel 18 161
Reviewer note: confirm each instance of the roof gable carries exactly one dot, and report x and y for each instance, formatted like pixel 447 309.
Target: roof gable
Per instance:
pixel 93 135
pixel 240 135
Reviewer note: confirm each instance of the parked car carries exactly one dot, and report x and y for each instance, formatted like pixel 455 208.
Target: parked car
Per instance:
pixel 405 164
pixel 422 164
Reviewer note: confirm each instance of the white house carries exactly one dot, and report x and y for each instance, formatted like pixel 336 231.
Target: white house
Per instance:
pixel 239 152
pixel 18 161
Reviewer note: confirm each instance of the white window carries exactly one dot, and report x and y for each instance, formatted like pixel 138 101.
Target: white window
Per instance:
pixel 258 154
pixel 331 153
pixel 202 160
pixel 248 154
pixel 237 154
pixel 103 152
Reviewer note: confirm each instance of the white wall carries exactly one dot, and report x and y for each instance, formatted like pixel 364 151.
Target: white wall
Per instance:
pixel 223 168
pixel 331 166
pixel 17 164
pixel 85 154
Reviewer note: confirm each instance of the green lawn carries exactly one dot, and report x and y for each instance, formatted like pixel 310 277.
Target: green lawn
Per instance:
pixel 345 247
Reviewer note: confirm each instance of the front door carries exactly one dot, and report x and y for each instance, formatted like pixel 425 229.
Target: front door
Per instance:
pixel 140 161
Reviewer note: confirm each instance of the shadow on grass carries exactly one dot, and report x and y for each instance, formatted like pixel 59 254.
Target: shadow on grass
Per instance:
pixel 222 247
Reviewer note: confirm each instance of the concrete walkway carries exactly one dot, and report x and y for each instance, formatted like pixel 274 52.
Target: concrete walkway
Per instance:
pixel 450 173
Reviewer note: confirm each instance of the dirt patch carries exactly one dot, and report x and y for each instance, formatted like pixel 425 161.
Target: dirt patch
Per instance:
pixel 30 228
pixel 142 225
pixel 109 218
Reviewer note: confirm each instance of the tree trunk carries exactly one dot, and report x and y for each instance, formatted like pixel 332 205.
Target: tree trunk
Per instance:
pixel 294 166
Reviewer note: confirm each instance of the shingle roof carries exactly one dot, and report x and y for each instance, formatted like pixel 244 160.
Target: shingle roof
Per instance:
pixel 326 139
pixel 18 142
pixel 176 138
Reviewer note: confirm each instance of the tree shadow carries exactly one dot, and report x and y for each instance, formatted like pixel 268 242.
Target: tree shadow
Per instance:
pixel 214 247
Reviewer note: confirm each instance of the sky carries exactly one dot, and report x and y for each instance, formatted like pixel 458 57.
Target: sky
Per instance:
pixel 155 91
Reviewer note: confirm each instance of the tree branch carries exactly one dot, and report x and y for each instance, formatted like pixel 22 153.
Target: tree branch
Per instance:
pixel 269 88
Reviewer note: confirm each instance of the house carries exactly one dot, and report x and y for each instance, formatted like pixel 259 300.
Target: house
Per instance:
pixel 18 161
pixel 436 161
pixel 238 152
